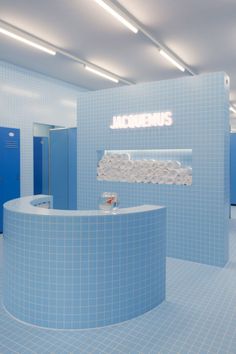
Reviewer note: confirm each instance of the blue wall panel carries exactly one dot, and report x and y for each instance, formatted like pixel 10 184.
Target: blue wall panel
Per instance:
pixel 72 168
pixel 233 168
pixel 9 167
pixel 197 214
pixel 45 165
pixel 41 161
pixel 38 168
pixel 59 168
pixel 63 168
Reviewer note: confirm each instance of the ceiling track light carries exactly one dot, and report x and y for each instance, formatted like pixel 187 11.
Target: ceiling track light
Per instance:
pixel 127 19
pixel 172 60
pixel 101 73
pixel 232 109
pixel 18 34
pixel 117 14
pixel 26 41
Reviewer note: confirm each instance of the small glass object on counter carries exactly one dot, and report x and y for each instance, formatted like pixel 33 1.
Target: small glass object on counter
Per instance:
pixel 108 202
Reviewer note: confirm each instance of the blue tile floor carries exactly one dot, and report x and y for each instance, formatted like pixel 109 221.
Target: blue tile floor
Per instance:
pixel 198 317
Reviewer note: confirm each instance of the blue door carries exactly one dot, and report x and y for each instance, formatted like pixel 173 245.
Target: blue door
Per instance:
pixel 9 167
pixel 233 168
pixel 45 165
pixel 58 168
pixel 41 165
pixel 38 166
pixel 72 168
pixel 63 168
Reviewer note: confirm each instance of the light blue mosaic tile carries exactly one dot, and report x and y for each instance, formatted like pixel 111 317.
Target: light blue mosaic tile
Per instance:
pixel 197 215
pixel 108 269
pixel 198 317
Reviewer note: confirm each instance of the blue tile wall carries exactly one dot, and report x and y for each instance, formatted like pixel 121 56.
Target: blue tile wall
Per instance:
pixel 27 97
pixel 83 271
pixel 198 317
pixel 197 214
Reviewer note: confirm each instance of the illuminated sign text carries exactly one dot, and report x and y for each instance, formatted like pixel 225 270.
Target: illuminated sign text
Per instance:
pixel 143 120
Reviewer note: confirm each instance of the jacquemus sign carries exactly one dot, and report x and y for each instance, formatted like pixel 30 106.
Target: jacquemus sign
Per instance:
pixel 142 120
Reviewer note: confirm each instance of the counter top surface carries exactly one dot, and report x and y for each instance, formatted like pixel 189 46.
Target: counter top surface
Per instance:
pixel 30 205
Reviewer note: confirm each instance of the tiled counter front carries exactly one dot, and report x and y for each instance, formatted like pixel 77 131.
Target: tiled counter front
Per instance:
pixel 82 269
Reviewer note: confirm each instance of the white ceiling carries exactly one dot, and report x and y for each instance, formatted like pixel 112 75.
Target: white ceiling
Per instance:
pixel 201 33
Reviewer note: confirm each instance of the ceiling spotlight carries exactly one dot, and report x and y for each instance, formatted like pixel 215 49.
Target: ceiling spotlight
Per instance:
pixel 172 60
pixel 116 13
pixel 26 41
pixel 100 73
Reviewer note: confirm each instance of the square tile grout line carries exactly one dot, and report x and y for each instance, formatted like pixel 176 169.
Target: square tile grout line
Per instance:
pixel 198 317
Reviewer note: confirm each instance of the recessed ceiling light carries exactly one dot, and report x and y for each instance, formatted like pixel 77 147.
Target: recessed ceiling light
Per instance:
pixel 26 41
pixel 117 15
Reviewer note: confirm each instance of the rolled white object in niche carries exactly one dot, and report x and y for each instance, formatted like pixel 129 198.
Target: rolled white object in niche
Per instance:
pixel 161 180
pixel 120 168
pixel 189 171
pixel 173 173
pixel 173 164
pixel 178 180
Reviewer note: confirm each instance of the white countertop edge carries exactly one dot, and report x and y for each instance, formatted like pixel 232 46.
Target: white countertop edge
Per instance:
pixel 25 205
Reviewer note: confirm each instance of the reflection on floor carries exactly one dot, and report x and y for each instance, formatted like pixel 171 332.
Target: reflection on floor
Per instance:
pixel 198 317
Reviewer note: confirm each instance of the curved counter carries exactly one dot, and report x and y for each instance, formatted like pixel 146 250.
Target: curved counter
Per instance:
pixel 82 269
